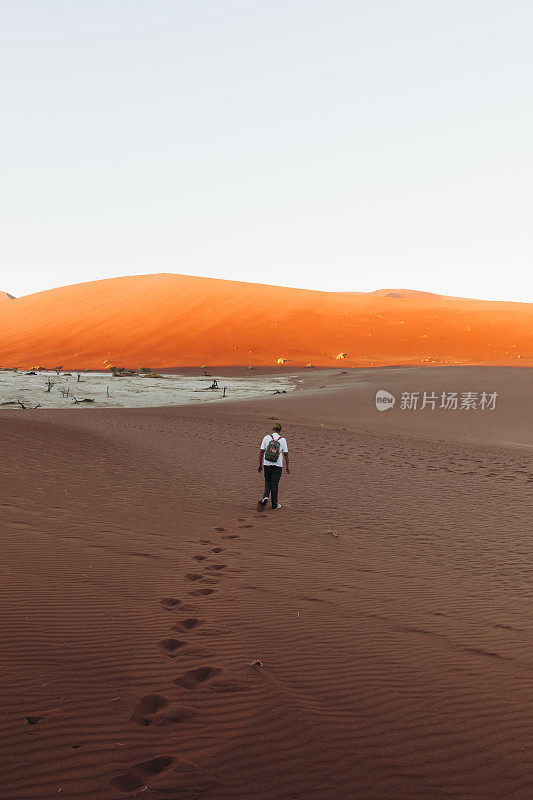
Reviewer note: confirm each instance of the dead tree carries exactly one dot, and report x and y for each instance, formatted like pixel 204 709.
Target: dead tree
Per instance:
pixel 23 406
pixel 49 384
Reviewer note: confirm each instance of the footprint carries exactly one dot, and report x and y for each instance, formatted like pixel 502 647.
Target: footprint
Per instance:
pixel 246 526
pixel 507 627
pixel 154 710
pixel 193 576
pixel 422 631
pixel 147 708
pixel 216 680
pixel 171 646
pixel 185 781
pixel 214 629
pixel 205 541
pixel 217 567
pixel 136 777
pixel 144 555
pixel 202 592
pixel 199 558
pixel 187 624
pixel 232 536
pixel 220 529
pixel 195 678
pixel 217 550
pixel 177 715
pixel 170 603
pixel 479 651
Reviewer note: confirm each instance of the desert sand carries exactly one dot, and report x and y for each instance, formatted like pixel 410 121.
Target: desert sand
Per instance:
pixel 369 641
pixel 162 321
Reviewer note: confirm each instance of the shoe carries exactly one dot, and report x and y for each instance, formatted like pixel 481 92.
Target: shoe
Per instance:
pixel 261 504
pixel 275 508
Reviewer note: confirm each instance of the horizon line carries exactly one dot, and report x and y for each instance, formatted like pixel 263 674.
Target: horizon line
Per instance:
pixel 413 292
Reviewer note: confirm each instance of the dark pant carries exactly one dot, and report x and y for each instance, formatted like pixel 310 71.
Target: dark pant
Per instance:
pixel 272 476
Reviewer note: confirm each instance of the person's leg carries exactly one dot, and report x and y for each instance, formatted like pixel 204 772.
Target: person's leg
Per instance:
pixel 268 478
pixel 274 480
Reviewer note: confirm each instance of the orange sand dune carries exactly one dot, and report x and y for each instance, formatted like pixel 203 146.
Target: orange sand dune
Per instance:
pixel 176 320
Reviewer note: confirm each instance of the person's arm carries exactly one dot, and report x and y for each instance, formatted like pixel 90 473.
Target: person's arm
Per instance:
pixel 261 454
pixel 286 458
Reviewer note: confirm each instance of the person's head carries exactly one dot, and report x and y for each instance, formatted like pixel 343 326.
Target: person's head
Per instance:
pixel 276 427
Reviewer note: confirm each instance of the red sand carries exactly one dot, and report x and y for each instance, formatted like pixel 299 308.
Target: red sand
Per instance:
pixel 388 601
pixel 175 320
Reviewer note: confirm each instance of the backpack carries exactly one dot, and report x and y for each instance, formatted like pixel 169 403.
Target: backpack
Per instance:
pixel 273 450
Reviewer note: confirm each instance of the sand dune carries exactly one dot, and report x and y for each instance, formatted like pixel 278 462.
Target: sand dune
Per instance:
pixel 387 602
pixel 175 320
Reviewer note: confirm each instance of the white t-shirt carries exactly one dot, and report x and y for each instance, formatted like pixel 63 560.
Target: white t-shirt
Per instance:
pixel 283 449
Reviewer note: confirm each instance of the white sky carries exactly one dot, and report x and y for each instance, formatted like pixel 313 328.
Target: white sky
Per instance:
pixel 338 145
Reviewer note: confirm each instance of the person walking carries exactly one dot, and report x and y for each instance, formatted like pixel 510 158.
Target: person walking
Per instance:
pixel 271 455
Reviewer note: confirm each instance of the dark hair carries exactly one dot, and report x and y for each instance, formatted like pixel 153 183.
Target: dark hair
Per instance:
pixel 276 427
